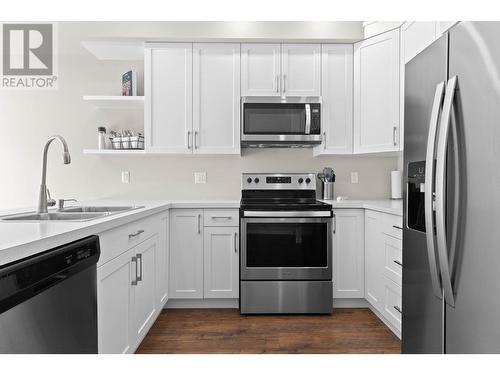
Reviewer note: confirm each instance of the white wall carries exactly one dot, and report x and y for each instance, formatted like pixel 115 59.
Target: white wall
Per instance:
pixel 28 118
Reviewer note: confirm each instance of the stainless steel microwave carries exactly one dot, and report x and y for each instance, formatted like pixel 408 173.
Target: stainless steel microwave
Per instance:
pixel 274 122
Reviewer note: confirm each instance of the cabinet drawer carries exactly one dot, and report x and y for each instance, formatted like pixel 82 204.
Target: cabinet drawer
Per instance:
pixel 221 218
pixel 392 303
pixel 393 259
pixel 393 226
pixel 118 240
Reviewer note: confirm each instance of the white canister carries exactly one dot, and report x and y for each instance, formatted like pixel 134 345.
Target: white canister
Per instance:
pixel 396 185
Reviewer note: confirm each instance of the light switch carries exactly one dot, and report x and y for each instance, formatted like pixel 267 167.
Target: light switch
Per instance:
pixel 354 178
pixel 125 177
pixel 200 177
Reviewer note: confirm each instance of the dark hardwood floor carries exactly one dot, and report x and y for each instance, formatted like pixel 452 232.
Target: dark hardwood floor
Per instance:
pixel 200 331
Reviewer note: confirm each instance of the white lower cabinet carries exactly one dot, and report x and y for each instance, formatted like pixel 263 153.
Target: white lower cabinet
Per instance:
pixel 383 265
pixel 186 253
pixel 348 254
pixel 221 254
pixel 128 284
pixel 143 289
pixel 204 254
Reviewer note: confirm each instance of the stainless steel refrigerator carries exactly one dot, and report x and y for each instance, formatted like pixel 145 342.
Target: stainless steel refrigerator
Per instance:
pixel 451 238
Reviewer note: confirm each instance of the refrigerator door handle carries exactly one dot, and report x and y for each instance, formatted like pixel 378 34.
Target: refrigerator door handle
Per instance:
pixel 442 146
pixel 429 190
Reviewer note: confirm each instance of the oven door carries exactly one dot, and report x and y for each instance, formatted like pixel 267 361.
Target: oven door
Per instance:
pixel 286 248
pixel 281 122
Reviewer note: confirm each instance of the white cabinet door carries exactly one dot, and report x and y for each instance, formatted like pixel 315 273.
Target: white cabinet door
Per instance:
pixel 348 254
pixel 216 98
pixel 415 37
pixel 301 69
pixel 168 90
pixel 374 260
pixel 376 93
pixel 260 69
pixel 186 254
pixel 162 263
pixel 144 291
pixel 336 94
pixel 221 254
pixel 114 304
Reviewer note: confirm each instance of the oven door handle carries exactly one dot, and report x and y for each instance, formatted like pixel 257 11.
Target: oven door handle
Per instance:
pixel 287 214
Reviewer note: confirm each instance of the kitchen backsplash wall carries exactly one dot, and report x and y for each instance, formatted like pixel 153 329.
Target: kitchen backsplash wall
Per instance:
pixel 30 117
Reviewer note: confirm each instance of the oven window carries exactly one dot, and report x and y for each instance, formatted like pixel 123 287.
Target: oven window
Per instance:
pixel 274 118
pixel 287 245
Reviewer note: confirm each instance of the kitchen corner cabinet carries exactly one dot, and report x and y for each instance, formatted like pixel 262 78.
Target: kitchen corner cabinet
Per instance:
pixel 280 69
pixel 127 285
pixel 192 98
pixel 348 254
pixel 336 95
pixel 186 254
pixel 376 93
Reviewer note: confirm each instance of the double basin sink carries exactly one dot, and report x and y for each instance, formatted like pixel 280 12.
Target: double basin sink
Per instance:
pixel 77 213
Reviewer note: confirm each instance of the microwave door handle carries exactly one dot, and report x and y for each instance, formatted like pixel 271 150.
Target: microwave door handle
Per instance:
pixel 429 190
pixel 308 118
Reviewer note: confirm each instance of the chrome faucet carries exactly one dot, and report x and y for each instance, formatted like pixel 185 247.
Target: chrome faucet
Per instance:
pixel 43 194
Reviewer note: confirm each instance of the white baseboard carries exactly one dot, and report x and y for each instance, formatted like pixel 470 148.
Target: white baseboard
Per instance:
pixel 349 303
pixel 213 303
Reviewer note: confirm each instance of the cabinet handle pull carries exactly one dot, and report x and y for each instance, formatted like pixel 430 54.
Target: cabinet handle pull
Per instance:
pixel 188 139
pixel 196 140
pixel 235 242
pixel 334 224
pixel 284 83
pixel 132 235
pixel 324 137
pixel 394 130
pixel 397 227
pixel 398 309
pixel 139 258
pixel 199 224
pixel 134 282
pixel 277 83
pixel 222 217
pixel 398 262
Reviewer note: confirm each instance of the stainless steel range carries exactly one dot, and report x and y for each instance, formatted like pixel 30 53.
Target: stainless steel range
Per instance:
pixel 286 246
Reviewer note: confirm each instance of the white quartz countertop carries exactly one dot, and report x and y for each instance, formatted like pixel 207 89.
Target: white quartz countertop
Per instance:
pixel 389 206
pixel 20 239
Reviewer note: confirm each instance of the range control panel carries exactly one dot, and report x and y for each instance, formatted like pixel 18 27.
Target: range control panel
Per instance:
pixel 273 181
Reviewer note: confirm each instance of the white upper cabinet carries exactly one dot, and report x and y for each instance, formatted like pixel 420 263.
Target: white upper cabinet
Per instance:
pixel 216 98
pixel 301 69
pixel 168 91
pixel 416 36
pixel 280 69
pixel 260 69
pixel 336 95
pixel 376 93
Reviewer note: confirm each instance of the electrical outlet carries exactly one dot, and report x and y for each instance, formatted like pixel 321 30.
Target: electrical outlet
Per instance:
pixel 354 178
pixel 125 177
pixel 200 177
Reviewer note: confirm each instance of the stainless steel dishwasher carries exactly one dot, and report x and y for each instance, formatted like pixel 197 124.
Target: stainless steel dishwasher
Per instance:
pixel 48 302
